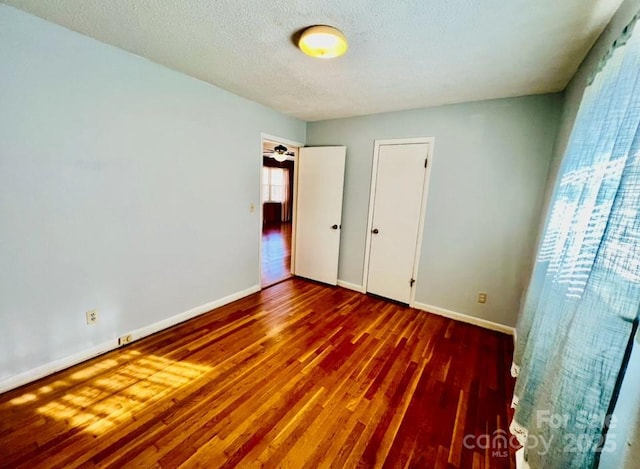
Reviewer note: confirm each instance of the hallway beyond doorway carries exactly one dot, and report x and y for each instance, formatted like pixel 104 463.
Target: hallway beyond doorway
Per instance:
pixel 276 253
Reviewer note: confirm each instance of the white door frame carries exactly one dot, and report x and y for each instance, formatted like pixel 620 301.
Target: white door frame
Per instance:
pixel 272 138
pixel 372 195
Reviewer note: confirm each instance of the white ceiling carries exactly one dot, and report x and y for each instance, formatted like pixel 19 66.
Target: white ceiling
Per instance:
pixel 403 53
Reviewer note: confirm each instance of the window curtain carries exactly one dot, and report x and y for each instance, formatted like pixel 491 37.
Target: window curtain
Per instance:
pixel 286 196
pixel 581 308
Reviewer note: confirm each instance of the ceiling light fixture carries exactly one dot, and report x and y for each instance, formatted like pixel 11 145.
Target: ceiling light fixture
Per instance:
pixel 280 153
pixel 323 42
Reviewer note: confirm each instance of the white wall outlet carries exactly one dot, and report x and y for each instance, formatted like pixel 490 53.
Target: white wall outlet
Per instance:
pixel 482 297
pixel 252 208
pixel 92 316
pixel 125 339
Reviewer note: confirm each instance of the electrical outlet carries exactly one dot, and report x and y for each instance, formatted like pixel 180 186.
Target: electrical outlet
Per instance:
pixel 125 339
pixel 92 317
pixel 252 208
pixel 482 297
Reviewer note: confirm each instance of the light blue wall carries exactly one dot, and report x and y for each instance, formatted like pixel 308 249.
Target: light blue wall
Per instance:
pixel 487 182
pixel 124 187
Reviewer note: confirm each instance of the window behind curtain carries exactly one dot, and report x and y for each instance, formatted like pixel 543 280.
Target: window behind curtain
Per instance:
pixel 272 184
pixel 582 306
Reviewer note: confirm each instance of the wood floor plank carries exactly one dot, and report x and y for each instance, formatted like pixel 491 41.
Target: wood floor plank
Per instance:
pixel 299 375
pixel 276 253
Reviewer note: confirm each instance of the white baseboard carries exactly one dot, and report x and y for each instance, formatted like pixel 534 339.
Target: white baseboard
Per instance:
pixel 192 313
pixel 66 362
pixel 351 286
pixel 56 365
pixel 494 326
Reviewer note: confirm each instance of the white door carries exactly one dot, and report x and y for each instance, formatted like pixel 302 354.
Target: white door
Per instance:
pixel 319 212
pixel 397 208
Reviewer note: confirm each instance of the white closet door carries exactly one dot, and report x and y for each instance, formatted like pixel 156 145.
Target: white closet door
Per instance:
pixel 399 187
pixel 319 212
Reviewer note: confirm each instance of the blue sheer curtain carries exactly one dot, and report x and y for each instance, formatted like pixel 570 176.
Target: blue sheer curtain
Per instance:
pixel 582 303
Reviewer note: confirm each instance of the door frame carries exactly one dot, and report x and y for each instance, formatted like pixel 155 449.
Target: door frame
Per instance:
pixel 294 196
pixel 430 141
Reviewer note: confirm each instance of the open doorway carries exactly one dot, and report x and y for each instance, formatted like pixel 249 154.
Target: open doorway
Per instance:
pixel 278 163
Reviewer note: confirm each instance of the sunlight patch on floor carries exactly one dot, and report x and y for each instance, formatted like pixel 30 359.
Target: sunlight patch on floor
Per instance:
pixel 111 391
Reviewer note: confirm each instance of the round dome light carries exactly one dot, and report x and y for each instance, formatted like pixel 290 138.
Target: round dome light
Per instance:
pixel 323 42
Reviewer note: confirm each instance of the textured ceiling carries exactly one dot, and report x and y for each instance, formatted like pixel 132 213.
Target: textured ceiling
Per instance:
pixel 403 53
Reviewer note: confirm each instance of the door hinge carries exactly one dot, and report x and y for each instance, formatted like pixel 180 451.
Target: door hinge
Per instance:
pixel 425 162
pixel 412 281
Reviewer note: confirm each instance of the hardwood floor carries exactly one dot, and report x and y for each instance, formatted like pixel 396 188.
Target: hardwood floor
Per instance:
pixel 276 253
pixel 298 375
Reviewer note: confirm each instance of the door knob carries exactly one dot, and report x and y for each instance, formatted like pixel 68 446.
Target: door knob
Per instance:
pixel 375 231
pixel 334 227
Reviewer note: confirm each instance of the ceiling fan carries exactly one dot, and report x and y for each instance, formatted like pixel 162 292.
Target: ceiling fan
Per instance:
pixel 279 153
